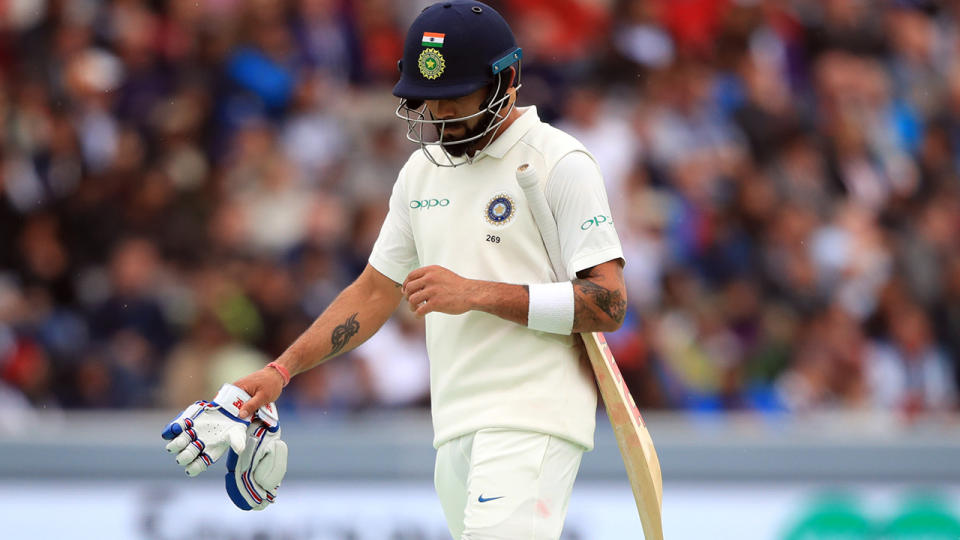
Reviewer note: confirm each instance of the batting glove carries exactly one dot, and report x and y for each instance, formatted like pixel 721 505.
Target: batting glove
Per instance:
pixel 203 431
pixel 254 475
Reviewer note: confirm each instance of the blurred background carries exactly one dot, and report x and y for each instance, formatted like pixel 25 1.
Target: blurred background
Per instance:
pixel 186 184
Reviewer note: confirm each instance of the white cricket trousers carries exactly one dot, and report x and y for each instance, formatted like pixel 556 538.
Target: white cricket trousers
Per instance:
pixel 499 484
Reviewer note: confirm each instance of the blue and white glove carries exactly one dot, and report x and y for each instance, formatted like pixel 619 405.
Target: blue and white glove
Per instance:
pixel 203 431
pixel 254 475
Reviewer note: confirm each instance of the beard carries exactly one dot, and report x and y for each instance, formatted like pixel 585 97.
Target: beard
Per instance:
pixel 460 149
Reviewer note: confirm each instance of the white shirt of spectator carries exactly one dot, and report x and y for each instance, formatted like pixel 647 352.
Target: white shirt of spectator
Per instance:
pixel 397 364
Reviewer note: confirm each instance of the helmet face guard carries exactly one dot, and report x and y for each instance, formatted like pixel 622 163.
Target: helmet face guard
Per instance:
pixel 434 145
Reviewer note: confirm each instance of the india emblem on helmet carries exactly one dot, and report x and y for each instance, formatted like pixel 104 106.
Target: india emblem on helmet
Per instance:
pixel 431 63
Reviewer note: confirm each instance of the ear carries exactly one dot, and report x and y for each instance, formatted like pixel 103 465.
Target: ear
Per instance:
pixel 513 78
pixel 511 88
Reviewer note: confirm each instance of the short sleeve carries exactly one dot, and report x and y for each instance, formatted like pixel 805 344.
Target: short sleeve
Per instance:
pixel 578 199
pixel 395 254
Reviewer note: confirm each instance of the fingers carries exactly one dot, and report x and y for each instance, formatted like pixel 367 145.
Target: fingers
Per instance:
pixel 251 385
pixel 263 386
pixel 417 298
pixel 271 469
pixel 186 446
pixel 259 398
pixel 421 277
pixel 422 302
pixel 413 285
pixel 188 454
pixel 182 422
pixel 422 285
pixel 198 465
pixel 424 308
pixel 177 427
pixel 193 453
pixel 181 441
pixel 171 431
pixel 414 275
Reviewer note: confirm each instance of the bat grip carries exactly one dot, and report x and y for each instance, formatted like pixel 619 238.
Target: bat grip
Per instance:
pixel 542 216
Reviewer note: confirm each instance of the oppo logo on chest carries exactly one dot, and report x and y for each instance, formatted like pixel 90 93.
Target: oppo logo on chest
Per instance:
pixel 426 204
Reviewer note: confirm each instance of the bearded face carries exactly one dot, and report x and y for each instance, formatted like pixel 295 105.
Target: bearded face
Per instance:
pixel 462 131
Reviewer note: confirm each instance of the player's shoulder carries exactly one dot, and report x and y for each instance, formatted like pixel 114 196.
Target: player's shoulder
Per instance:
pixel 417 159
pixel 552 143
pixel 416 166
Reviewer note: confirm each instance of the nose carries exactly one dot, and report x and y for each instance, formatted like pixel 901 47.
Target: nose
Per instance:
pixel 443 109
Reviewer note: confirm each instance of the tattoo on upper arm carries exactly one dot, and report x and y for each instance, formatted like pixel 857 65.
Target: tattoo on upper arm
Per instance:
pixel 610 302
pixel 342 334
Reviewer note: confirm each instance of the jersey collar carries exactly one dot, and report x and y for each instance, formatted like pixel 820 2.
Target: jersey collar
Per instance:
pixel 506 140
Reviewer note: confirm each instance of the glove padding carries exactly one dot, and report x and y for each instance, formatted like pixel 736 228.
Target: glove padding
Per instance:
pixel 203 431
pixel 254 474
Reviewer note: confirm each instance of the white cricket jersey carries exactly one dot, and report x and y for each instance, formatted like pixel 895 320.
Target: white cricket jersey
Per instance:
pixel 487 372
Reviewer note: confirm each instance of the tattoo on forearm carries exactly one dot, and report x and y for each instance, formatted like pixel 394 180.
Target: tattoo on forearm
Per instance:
pixel 609 302
pixel 342 334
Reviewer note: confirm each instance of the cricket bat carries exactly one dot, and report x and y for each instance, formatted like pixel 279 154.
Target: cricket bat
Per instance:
pixel 636 446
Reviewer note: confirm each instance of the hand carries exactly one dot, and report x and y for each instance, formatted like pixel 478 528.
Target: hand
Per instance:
pixel 254 475
pixel 201 434
pixel 434 288
pixel 263 386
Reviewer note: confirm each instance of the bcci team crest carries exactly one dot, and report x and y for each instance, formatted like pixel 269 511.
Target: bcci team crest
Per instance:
pixel 500 210
pixel 431 63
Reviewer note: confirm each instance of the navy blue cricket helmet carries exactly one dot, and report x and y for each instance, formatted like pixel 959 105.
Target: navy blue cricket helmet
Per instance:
pixel 453 49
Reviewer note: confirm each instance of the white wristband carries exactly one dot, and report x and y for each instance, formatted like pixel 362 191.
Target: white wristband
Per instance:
pixel 551 307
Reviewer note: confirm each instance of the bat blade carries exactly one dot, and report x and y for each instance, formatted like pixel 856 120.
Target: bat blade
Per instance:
pixel 636 446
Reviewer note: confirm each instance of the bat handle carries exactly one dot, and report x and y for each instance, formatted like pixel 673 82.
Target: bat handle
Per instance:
pixel 542 216
pixel 526 176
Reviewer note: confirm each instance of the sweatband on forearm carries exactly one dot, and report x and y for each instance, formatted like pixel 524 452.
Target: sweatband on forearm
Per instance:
pixel 551 307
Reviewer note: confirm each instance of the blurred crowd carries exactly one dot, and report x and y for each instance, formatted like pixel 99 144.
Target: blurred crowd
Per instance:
pixel 186 184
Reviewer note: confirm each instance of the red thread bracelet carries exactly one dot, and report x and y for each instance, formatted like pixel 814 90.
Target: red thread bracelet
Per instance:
pixel 284 374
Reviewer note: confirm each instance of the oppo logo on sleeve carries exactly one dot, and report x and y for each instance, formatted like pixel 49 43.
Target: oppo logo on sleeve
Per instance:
pixel 596 221
pixel 429 203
